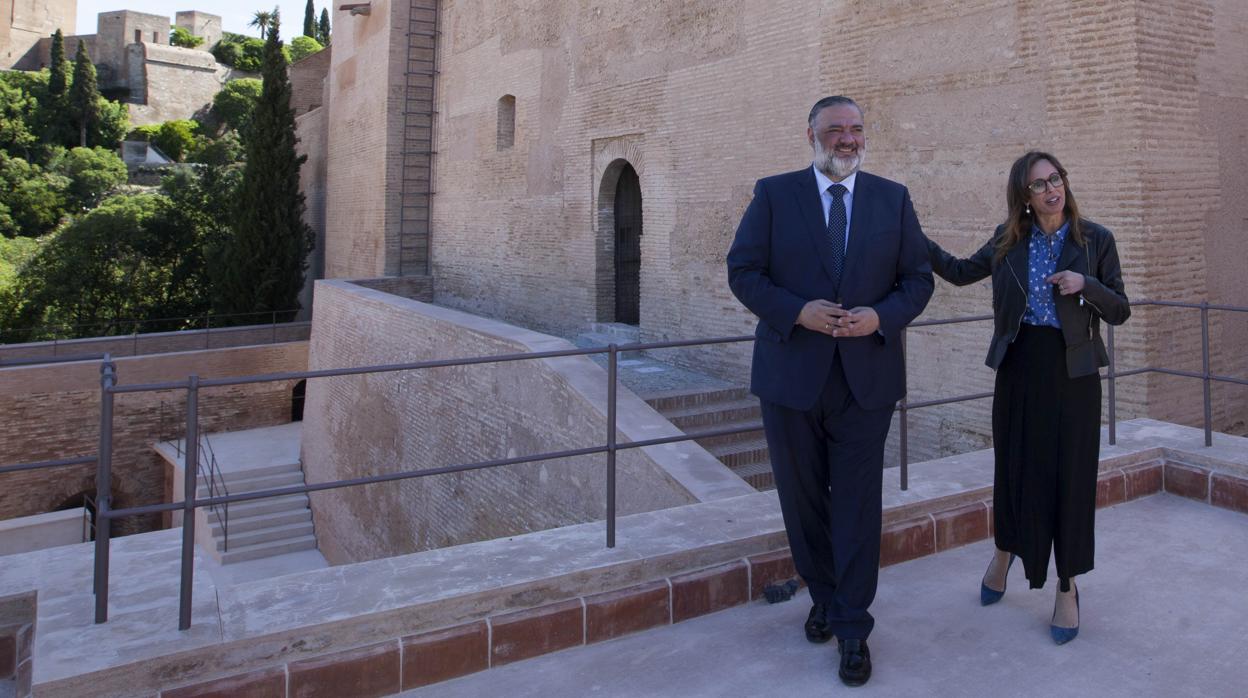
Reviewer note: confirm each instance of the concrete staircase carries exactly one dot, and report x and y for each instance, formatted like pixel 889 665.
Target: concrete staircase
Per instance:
pixel 264 527
pixel 694 411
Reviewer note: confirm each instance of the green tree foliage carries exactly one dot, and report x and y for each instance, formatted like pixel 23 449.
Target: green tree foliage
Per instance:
pixel 181 37
pixel 302 46
pixel 18 113
pixel 177 138
pixel 235 104
pixel 58 71
pixel 126 259
pixel 91 174
pixel 265 260
pixel 84 95
pixel 32 200
pixel 322 27
pixel 238 51
pixel 225 150
pixel 309 21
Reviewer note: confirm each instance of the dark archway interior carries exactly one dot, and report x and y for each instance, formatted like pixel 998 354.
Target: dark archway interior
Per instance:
pixel 628 247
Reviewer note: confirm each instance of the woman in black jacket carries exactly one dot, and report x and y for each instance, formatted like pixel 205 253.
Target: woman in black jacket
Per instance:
pixel 1055 277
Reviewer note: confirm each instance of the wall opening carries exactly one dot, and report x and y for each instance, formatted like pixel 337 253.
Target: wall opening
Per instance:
pixel 627 229
pixel 297 395
pixel 506 122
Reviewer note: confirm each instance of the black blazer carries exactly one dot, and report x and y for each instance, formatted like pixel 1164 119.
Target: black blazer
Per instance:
pixel 1103 296
pixel 780 260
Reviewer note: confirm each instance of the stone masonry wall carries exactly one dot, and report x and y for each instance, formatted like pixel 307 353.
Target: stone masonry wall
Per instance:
pixel 377 423
pixel 53 411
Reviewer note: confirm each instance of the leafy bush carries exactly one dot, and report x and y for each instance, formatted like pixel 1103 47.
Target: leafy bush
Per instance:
pixel 235 104
pixel 239 51
pixel 181 37
pixel 303 46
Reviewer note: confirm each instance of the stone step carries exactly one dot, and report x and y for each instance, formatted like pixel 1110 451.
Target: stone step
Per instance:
pixel 288 478
pixel 749 449
pixel 757 475
pixel 709 442
pixel 231 476
pixel 241 524
pixel 268 549
pixel 714 415
pixel 264 535
pixel 268 505
pixel 685 399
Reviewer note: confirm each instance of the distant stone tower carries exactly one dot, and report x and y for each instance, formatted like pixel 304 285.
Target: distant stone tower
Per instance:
pixel 201 24
pixel 24 22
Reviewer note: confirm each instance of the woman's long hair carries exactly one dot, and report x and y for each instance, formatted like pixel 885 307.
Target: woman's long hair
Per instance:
pixel 1018 221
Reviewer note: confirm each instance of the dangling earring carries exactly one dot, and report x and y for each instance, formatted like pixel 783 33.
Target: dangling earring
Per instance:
pixel 1029 209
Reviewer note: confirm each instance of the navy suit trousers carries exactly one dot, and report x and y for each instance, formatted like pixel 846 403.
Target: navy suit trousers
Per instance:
pixel 828 463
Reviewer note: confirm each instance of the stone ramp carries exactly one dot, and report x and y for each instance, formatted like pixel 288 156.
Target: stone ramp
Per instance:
pixel 1163 615
pixel 697 409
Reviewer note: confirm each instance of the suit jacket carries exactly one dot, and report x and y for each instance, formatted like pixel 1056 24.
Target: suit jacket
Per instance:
pixel 781 259
pixel 1103 296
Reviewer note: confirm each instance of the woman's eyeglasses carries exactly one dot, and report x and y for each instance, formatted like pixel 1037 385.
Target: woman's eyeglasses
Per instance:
pixel 1040 185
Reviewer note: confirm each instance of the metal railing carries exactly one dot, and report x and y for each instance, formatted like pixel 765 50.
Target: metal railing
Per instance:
pixel 109 389
pixel 215 479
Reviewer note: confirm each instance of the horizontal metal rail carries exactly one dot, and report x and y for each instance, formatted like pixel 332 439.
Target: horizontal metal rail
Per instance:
pixel 40 465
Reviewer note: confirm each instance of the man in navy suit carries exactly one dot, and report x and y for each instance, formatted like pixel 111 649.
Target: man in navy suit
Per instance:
pixel 834 264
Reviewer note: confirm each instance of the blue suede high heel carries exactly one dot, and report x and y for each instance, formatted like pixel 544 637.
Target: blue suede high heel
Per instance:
pixel 1063 635
pixel 987 596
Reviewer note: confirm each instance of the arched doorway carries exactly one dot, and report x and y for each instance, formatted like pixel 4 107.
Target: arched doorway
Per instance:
pixel 627 219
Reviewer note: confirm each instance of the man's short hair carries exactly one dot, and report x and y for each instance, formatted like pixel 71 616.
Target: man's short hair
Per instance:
pixel 826 102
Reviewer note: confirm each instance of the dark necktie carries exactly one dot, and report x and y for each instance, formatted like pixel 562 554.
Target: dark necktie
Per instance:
pixel 836 232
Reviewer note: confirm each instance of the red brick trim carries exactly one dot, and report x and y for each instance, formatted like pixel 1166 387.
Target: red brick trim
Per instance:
pixel 525 634
pixel 615 613
pixel 774 567
pixel 907 540
pixel 1111 489
pixel 445 654
pixel 361 673
pixel 1187 481
pixel 957 527
pixel 1229 492
pixel 263 683
pixel 709 590
pixel 1143 480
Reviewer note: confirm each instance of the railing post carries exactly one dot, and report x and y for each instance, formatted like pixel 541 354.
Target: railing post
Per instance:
pixel 207 329
pixel 905 432
pixel 612 356
pixel 103 488
pixel 274 327
pixel 1204 355
pixel 191 471
pixel 1113 397
pixel 134 351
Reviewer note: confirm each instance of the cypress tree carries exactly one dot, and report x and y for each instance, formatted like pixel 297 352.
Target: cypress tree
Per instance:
pixel 58 71
pixel 309 20
pixel 264 262
pixel 322 29
pixel 84 95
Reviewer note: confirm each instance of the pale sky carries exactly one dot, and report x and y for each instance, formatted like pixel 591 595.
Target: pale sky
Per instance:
pixel 235 14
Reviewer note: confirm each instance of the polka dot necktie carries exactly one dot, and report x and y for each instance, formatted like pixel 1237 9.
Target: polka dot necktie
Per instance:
pixel 836 232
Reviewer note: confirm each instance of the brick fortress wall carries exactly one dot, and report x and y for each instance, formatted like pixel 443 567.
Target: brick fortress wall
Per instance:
pixel 688 94
pixel 53 411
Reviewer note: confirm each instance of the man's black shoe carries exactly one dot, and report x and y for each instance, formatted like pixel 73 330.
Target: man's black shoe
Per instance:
pixel 817 629
pixel 855 662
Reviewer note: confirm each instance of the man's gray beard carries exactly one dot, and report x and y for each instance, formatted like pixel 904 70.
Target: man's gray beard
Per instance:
pixel 834 167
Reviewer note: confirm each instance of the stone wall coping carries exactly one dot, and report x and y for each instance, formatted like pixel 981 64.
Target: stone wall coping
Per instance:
pixel 250 626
